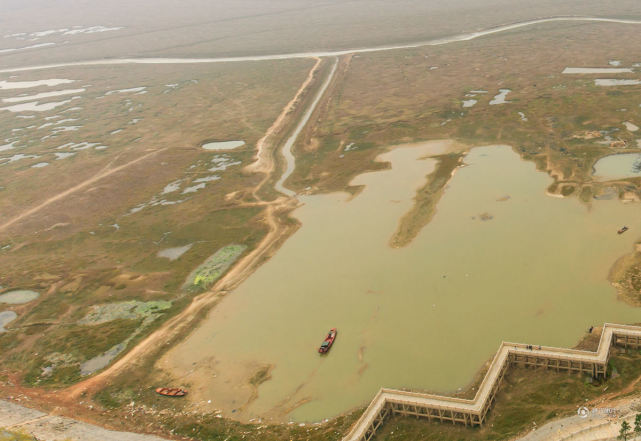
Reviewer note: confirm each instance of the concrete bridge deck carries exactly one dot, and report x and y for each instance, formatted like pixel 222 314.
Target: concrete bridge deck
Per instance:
pixel 473 412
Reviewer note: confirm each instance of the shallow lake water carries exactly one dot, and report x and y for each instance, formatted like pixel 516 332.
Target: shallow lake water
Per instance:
pixel 426 316
pixel 625 165
pixel 18 296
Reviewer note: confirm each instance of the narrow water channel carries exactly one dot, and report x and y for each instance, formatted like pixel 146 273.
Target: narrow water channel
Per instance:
pixel 290 161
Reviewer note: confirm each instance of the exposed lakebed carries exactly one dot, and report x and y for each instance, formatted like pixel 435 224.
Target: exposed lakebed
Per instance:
pixel 526 268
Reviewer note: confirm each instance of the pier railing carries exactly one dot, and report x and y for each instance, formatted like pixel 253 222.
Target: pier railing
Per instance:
pixel 474 412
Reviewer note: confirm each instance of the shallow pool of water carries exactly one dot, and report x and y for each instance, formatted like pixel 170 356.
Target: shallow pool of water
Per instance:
pixel 528 268
pixel 223 145
pixel 6 317
pixel 625 165
pixel 174 253
pixel 102 360
pixel 596 70
pixel 614 82
pixel 500 98
pixel 18 297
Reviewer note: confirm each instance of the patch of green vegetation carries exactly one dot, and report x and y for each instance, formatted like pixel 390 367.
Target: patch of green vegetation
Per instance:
pixel 567 190
pixel 215 266
pixel 130 310
pixel 61 350
pixel 10 435
pixel 112 399
pixel 262 375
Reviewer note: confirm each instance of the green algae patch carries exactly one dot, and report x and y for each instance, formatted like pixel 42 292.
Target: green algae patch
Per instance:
pixel 6 435
pixel 129 310
pixel 215 266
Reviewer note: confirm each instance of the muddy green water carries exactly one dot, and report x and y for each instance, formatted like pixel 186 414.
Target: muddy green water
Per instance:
pixel 621 166
pixel 425 316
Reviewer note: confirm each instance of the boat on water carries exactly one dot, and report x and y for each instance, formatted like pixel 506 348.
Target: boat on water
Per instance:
pixel 622 230
pixel 328 342
pixel 171 392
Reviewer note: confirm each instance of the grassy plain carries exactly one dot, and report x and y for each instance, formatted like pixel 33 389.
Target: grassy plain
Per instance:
pixel 99 244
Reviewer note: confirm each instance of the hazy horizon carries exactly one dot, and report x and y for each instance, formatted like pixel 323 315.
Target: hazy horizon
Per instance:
pixel 199 28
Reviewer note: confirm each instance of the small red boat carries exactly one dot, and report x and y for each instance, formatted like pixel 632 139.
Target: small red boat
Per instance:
pixel 329 341
pixel 622 230
pixel 171 392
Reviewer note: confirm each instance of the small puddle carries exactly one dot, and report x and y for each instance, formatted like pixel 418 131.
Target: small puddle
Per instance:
pixel 500 98
pixel 4 85
pixel 613 82
pixel 6 317
pixel 596 70
pixel 174 253
pixel 102 360
pixel 18 297
pixel 223 145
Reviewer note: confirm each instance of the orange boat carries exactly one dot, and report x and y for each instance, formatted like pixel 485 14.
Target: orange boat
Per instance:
pixel 171 392
pixel 622 230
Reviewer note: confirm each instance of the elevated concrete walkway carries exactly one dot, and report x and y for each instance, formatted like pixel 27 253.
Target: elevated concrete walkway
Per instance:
pixel 474 412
